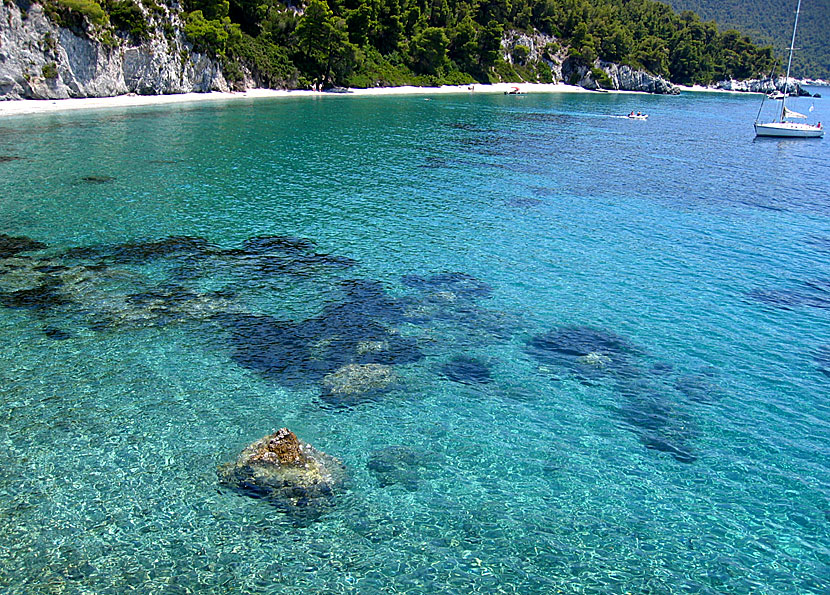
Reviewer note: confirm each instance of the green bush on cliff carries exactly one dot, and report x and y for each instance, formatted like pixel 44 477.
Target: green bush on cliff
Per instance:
pixel 213 35
pixel 88 8
pixel 125 15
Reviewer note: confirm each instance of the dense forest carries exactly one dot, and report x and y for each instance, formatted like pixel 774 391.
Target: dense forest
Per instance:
pixel 392 42
pixel 771 22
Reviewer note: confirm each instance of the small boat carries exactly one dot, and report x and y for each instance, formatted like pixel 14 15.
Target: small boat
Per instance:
pixel 782 127
pixel 515 91
pixel 637 116
pixel 776 95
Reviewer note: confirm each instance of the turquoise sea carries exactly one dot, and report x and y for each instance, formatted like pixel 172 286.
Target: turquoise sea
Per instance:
pixel 609 339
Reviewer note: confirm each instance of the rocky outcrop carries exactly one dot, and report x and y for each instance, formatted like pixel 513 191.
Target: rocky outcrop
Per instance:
pixel 41 60
pixel 619 78
pixel 547 49
pixel 541 48
pixel 285 471
pixel 765 85
pixel 625 78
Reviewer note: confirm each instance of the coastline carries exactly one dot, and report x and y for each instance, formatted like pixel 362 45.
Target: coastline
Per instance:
pixel 24 107
pixel 21 107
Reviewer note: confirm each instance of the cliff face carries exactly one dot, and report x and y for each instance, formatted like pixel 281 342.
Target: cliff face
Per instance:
pixel 41 60
pixel 623 78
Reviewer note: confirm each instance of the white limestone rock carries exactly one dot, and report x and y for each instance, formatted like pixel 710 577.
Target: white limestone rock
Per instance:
pixel 86 67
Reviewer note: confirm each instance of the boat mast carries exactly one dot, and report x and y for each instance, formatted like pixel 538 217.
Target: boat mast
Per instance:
pixel 789 63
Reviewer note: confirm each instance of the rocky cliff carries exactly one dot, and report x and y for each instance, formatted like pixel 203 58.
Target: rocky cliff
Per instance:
pixel 765 85
pixel 41 60
pixel 547 49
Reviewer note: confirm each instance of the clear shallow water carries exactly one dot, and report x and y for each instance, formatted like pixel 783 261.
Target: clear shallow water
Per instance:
pixel 690 455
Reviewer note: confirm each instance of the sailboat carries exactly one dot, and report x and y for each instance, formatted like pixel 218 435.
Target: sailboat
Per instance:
pixel 783 127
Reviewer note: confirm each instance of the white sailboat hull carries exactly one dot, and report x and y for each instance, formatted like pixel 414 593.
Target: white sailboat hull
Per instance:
pixel 789 130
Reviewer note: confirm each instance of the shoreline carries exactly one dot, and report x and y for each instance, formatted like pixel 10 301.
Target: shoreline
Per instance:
pixel 23 107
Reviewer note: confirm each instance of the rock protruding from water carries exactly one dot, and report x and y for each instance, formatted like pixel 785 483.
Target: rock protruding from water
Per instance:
pixel 286 472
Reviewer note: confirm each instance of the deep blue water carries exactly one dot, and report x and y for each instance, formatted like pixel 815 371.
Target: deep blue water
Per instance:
pixel 609 338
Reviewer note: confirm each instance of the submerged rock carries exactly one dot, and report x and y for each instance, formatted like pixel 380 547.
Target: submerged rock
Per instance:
pixel 400 465
pixel 297 353
pixel 584 350
pixel 12 245
pixel 37 298
pixel 698 388
pixel 657 421
pixel 822 357
pixel 142 251
pixel 286 244
pixel 97 179
pixel 286 472
pixel 460 284
pixel 467 370
pixel 358 379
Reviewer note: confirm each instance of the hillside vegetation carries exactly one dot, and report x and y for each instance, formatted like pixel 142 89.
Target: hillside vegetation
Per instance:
pixel 394 42
pixel 771 22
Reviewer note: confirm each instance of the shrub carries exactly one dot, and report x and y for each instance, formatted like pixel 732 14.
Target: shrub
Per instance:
pixel 212 36
pixel 125 15
pixel 270 62
pixel 50 70
pixel 545 73
pixel 602 78
pixel 520 54
pixel 88 8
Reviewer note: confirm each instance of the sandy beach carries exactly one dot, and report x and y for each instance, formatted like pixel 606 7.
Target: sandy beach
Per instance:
pixel 41 106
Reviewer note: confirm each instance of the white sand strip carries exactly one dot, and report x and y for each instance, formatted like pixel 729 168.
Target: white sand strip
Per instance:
pixel 40 106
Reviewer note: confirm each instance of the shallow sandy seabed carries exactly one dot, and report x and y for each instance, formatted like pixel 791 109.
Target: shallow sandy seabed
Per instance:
pixel 38 106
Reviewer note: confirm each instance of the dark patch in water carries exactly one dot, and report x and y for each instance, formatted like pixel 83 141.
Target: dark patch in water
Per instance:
pixel 8 158
pixel 461 284
pixel 326 260
pixel 97 179
pixel 141 252
pixel 655 442
pixel 812 293
pixel 822 358
pixel 57 334
pixel 467 370
pixel 698 388
pixel 273 348
pixel 656 420
pixel 434 163
pixel 284 244
pixel 586 351
pixel 661 369
pixel 295 353
pixel 400 466
pixel 12 245
pixel 525 203
pixel 37 298
pixel 463 126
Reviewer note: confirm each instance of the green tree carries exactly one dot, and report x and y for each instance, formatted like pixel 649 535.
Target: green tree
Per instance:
pixel 429 50
pixel 324 43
